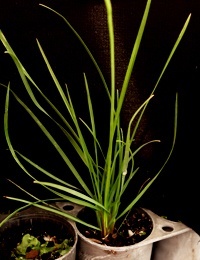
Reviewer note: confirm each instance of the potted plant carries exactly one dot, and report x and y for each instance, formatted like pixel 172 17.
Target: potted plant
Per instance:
pixel 111 167
pixel 38 234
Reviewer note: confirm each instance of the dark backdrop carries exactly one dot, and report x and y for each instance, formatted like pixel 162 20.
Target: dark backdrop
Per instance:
pixel 176 192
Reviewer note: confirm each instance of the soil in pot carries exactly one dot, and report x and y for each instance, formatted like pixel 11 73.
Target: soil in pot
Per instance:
pixel 136 227
pixel 34 229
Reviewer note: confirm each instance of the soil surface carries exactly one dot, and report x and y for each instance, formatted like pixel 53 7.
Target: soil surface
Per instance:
pixel 135 228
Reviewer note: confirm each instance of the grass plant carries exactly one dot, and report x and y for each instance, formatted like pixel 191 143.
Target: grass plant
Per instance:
pixel 110 179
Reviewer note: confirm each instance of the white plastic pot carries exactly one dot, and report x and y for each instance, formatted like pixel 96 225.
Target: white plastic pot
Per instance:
pixel 168 240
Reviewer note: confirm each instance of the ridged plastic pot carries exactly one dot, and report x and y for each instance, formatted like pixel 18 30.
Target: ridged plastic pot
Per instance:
pixel 40 221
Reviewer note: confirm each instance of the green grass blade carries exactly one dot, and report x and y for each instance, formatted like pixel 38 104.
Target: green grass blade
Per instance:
pixel 53 210
pixel 84 45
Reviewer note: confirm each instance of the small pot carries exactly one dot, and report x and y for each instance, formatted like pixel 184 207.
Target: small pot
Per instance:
pixel 36 221
pixel 88 249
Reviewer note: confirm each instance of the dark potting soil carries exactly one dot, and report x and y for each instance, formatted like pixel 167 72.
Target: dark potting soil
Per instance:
pixel 136 227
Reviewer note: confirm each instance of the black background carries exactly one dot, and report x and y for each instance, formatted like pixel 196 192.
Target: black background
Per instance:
pixel 176 192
